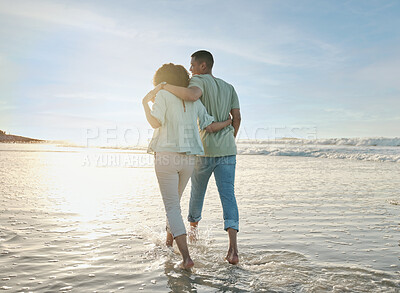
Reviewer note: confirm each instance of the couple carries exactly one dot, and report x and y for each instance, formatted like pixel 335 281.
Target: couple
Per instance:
pixel 182 106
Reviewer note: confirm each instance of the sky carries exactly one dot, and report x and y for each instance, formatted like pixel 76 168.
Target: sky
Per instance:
pixel 78 70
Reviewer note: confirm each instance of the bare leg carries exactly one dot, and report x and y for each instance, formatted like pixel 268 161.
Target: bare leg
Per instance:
pixel 193 232
pixel 182 245
pixel 232 257
pixel 170 240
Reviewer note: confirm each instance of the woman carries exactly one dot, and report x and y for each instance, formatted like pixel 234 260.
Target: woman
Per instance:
pixel 175 143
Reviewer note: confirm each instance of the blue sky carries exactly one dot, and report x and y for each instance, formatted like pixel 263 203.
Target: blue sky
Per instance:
pixel 301 68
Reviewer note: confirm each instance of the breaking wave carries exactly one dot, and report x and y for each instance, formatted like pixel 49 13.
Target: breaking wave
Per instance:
pixel 366 149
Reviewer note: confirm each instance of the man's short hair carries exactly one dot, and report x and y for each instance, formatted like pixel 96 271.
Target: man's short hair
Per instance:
pixel 204 56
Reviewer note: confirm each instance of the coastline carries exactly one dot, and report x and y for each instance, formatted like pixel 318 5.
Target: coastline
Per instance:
pixel 10 138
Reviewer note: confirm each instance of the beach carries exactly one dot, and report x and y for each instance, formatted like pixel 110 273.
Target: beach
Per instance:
pixel 92 220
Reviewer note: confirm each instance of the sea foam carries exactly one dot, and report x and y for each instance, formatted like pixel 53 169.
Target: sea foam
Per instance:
pixel 367 149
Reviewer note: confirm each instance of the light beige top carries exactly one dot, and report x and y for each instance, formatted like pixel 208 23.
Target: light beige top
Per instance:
pixel 180 123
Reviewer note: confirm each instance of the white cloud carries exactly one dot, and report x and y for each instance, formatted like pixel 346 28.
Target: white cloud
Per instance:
pixel 63 14
pixel 384 73
pixel 9 72
pixel 98 53
pixel 95 96
pixel 278 44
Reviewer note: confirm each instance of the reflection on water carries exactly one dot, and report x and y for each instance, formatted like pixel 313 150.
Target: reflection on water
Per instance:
pixel 307 225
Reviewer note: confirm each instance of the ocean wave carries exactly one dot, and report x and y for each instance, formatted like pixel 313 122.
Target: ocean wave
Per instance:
pixel 364 153
pixel 369 141
pixel 365 149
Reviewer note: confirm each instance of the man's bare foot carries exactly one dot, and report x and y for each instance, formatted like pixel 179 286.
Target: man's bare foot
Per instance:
pixel 187 264
pixel 170 240
pixel 193 234
pixel 232 257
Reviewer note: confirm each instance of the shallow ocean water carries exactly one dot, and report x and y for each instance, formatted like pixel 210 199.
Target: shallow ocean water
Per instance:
pixel 74 220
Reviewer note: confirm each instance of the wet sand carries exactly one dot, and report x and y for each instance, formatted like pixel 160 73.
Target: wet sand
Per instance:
pixel 307 225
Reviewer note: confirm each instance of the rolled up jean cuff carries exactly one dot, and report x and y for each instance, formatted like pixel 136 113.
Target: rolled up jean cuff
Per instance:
pixel 231 224
pixel 194 220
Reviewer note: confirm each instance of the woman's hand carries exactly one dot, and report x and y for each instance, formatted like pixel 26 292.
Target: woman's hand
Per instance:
pixel 230 119
pixel 158 87
pixel 217 126
pixel 149 97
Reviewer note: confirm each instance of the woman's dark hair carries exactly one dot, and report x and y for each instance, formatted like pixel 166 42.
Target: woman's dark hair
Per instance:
pixel 172 74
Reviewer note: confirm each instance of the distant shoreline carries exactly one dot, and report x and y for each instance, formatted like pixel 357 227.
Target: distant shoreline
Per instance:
pixel 9 138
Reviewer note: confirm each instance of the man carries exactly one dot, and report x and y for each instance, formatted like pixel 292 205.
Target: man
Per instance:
pixel 220 100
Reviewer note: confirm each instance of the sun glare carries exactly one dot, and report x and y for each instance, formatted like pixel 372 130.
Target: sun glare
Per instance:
pixel 86 191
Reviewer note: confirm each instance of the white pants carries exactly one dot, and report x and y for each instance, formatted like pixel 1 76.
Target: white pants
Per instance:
pixel 173 171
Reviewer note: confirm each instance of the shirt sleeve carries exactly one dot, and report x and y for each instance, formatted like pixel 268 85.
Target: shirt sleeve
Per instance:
pixel 204 118
pixel 159 108
pixel 197 81
pixel 235 100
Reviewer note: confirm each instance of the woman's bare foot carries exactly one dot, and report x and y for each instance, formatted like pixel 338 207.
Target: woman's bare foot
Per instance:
pixel 187 264
pixel 170 240
pixel 232 257
pixel 183 249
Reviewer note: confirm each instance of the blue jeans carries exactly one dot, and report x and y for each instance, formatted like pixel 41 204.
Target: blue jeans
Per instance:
pixel 224 174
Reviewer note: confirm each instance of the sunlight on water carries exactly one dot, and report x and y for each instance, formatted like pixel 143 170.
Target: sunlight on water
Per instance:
pixel 307 225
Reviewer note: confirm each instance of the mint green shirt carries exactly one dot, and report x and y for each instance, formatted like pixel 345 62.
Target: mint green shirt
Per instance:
pixel 219 98
pixel 180 123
